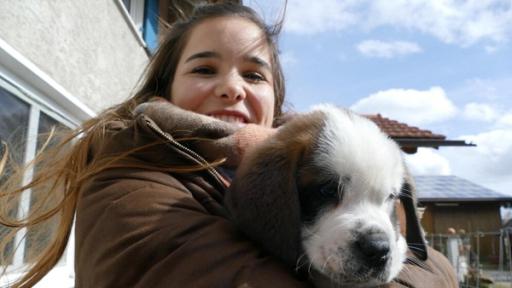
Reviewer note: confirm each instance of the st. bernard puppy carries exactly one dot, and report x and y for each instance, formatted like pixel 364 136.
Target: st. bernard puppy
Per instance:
pixel 320 194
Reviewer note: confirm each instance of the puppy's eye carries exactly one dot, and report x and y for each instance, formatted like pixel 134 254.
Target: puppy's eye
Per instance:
pixel 392 197
pixel 331 190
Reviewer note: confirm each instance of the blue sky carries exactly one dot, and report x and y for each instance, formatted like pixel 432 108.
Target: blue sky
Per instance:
pixel 443 65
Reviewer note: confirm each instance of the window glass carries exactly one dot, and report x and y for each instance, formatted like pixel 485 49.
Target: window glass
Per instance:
pixel 14 115
pixel 49 132
pixel 127 4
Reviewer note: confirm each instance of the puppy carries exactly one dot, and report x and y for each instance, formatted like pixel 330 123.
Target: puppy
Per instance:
pixel 320 194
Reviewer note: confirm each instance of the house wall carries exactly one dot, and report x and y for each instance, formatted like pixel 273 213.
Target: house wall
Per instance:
pixel 437 220
pixel 85 46
pixel 65 61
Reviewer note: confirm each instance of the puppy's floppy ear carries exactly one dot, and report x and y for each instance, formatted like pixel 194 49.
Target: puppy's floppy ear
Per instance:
pixel 263 199
pixel 414 234
pixel 264 203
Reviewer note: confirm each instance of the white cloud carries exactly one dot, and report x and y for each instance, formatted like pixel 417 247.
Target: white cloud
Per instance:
pixel 288 58
pixel 427 162
pixel 452 21
pixel 489 163
pixel 496 146
pixel 480 112
pixel 303 17
pixel 505 120
pixel 490 49
pixel 485 90
pixel 414 107
pixel 390 49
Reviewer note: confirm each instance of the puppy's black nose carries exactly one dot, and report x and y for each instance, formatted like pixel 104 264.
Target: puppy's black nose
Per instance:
pixel 373 248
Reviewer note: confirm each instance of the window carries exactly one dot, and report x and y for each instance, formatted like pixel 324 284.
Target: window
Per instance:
pixel 21 120
pixel 143 17
pixel 14 114
pixel 136 10
pixel 32 103
pixel 40 234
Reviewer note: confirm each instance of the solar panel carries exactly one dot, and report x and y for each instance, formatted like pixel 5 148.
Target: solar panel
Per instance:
pixel 453 188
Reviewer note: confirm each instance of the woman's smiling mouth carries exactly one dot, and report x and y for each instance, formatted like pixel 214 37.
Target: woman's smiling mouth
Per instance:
pixel 234 117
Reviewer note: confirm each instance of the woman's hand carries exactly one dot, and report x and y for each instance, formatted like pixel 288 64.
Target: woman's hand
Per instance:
pixel 238 144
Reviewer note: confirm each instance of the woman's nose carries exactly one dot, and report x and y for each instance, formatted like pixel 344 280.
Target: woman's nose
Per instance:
pixel 231 88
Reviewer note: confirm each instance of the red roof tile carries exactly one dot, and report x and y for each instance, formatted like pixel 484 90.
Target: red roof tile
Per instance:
pixel 397 129
pixel 391 127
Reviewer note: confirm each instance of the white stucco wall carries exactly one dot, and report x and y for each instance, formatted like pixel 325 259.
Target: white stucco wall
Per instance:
pixel 85 46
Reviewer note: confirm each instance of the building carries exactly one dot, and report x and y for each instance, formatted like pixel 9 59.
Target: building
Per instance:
pixel 411 138
pixel 63 62
pixel 453 202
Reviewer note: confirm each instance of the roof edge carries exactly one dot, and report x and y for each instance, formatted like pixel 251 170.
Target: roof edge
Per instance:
pixel 427 142
pixel 462 200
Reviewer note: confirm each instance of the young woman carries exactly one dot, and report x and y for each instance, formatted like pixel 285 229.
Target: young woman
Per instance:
pixel 148 198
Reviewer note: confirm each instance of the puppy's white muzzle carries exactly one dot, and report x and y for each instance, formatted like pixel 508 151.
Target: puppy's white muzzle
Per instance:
pixel 357 247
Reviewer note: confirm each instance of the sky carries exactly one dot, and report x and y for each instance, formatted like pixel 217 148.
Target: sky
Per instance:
pixel 444 66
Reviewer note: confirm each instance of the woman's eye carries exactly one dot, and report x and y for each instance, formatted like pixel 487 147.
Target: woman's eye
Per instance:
pixel 254 77
pixel 203 70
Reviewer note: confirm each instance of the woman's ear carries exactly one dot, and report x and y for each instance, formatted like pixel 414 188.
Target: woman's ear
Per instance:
pixel 414 232
pixel 263 199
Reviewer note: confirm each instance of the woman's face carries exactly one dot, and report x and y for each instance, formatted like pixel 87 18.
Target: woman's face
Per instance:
pixel 224 72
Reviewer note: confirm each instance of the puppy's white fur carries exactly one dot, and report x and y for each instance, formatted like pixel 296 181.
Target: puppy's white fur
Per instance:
pixel 354 148
pixel 321 192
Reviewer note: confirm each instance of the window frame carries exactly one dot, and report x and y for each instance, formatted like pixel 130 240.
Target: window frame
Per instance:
pixel 23 79
pixel 135 21
pixel 142 18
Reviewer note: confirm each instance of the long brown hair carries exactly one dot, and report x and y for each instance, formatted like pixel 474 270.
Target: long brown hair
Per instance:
pixel 66 163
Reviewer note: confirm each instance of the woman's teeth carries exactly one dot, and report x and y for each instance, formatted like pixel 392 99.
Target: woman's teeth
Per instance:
pixel 230 119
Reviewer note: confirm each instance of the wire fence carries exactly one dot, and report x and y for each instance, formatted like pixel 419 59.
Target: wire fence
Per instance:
pixel 480 259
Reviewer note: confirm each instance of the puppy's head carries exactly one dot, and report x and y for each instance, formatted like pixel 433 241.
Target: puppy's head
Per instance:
pixel 322 193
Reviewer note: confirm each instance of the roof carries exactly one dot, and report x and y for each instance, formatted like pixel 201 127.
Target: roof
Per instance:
pixel 455 189
pixel 397 129
pixel 410 137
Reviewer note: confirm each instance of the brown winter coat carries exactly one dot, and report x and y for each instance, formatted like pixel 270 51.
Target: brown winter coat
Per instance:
pixel 144 227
